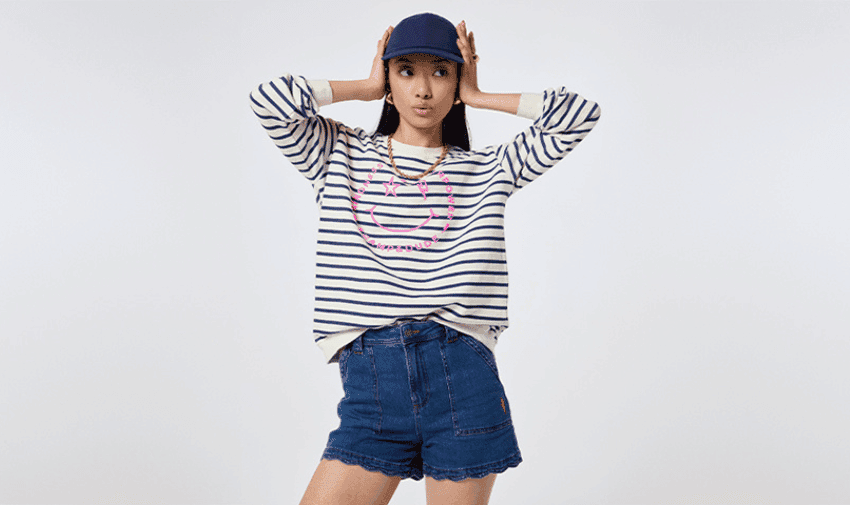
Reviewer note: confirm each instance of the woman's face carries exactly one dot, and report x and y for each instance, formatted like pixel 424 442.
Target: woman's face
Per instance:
pixel 423 88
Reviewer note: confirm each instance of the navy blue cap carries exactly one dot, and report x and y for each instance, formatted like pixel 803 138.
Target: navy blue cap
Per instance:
pixel 424 33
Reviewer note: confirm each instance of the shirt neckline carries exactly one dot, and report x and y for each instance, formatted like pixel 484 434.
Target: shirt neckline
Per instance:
pixel 415 151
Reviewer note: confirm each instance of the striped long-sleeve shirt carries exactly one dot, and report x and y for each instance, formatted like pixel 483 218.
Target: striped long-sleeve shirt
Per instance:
pixel 392 249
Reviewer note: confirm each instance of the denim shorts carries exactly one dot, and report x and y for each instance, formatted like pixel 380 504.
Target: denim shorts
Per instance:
pixel 422 399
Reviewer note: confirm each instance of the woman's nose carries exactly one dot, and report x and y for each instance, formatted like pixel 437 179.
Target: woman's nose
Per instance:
pixel 423 88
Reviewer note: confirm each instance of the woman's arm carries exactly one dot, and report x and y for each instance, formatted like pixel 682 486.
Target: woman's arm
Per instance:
pixel 505 102
pixel 368 89
pixel 561 119
pixel 469 92
pixel 287 108
pixel 288 111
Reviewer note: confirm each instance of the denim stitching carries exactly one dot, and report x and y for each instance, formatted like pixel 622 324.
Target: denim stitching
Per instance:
pixel 343 364
pixel 486 354
pixel 481 431
pixel 487 359
pixel 425 390
pixel 475 472
pixel 377 397
pixel 389 468
pixel 449 386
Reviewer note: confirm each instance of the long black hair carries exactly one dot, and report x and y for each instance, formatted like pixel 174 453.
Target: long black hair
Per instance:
pixel 455 129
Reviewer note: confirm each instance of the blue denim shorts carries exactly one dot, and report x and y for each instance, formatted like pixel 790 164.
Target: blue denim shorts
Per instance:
pixel 422 399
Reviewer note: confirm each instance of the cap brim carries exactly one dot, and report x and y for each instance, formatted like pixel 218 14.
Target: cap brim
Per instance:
pixel 423 50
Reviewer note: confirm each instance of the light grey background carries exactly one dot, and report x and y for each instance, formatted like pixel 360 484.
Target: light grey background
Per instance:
pixel 679 283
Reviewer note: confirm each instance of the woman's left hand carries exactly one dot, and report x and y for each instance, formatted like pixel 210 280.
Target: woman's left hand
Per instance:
pixel 468 85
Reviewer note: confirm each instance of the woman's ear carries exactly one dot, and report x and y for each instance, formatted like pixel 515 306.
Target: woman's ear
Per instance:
pixel 390 98
pixel 457 101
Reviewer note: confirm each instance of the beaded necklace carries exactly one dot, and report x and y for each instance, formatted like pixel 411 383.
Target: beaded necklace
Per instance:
pixel 414 177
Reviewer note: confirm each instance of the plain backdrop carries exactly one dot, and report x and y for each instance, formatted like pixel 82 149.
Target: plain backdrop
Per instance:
pixel 679 284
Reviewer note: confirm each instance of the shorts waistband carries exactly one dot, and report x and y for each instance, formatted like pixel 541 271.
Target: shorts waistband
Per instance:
pixel 408 332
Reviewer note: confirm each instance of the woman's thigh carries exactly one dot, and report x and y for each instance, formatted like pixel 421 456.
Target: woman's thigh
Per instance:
pixel 467 491
pixel 335 483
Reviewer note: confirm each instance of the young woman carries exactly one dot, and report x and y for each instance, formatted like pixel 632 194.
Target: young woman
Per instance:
pixel 411 275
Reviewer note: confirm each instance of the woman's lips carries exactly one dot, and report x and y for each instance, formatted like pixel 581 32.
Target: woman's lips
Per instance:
pixel 422 111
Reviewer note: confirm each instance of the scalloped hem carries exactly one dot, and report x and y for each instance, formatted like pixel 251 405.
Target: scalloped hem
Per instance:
pixel 475 472
pixel 372 464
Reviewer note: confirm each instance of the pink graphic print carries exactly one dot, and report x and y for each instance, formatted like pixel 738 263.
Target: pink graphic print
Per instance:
pixel 372 213
pixel 390 189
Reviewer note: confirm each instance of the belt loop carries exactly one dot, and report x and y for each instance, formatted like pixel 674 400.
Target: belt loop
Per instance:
pixel 451 334
pixel 357 345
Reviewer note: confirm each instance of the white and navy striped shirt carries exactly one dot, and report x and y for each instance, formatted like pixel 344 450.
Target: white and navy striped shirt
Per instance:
pixel 393 249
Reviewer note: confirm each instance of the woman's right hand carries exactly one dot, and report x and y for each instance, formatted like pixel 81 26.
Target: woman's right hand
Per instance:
pixel 376 84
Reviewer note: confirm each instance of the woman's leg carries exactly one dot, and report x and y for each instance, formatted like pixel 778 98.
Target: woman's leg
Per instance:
pixel 465 492
pixel 336 483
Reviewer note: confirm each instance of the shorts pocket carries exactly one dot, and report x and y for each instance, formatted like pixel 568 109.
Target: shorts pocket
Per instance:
pixel 476 394
pixel 342 361
pixel 360 407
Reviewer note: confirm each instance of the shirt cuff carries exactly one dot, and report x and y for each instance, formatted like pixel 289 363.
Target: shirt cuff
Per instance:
pixel 322 92
pixel 530 105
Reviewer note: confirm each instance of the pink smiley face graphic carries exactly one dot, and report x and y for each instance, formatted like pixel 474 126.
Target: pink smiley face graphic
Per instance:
pixel 390 188
pixel 397 196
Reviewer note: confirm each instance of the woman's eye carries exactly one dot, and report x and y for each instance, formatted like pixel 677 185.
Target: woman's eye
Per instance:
pixel 441 72
pixel 405 72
